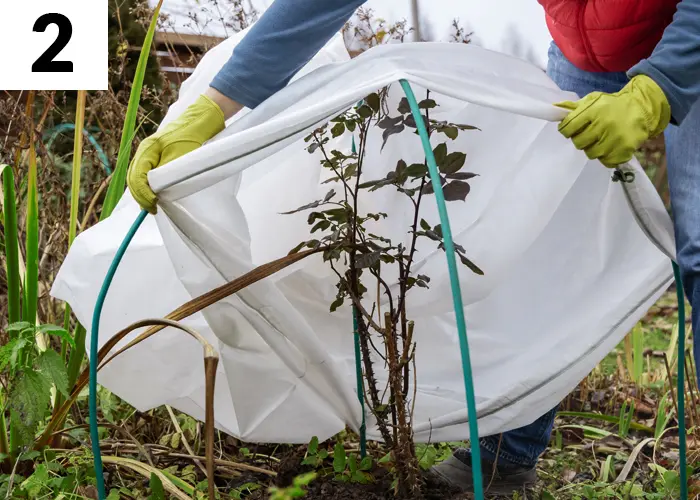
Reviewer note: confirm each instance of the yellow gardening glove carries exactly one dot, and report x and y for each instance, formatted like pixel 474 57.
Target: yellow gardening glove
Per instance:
pixel 200 122
pixel 611 127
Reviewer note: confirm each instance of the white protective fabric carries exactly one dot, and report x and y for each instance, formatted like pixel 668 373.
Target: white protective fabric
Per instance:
pixel 569 266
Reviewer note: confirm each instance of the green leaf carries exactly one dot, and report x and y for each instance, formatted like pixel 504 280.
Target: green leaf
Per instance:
pixel 367 260
pixel 373 101
pixel 400 168
pixel 10 352
pixel 338 129
pixel 369 184
pixel 397 129
pixel 410 121
pixel 297 248
pixel 427 455
pixel 14 286
pixel 339 458
pixel 29 400
pixel 417 170
pixel 427 104
pixel 388 122
pixel 19 327
pixel 37 482
pixel 313 445
pixel 462 176
pixel 366 463
pixel 304 479
pixel 352 463
pixel 472 267
pixel 31 279
pixel 50 364
pixel 466 127
pixel 321 226
pixel 365 111
pixel 156 485
pixel 313 204
pixel 456 191
pixel 337 303
pixel 113 494
pixel 451 132
pixel 404 107
pixel 117 184
pixel 440 153
pixel 350 170
pixel 453 162
pixel 424 225
pixel 59 332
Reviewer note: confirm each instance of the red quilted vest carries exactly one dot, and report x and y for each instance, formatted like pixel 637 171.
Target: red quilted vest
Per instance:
pixel 607 35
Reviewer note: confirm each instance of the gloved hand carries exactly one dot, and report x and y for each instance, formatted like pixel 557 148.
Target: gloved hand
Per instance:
pixel 200 122
pixel 611 127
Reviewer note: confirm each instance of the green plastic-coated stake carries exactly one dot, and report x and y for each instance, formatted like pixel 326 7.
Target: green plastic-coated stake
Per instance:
pixel 358 365
pixel 681 383
pixel 456 291
pixel 94 335
pixel 360 391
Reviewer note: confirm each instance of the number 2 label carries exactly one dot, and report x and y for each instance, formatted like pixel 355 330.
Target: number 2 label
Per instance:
pixel 46 63
pixel 54 45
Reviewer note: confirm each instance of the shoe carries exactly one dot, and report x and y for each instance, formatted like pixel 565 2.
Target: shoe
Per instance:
pixel 456 471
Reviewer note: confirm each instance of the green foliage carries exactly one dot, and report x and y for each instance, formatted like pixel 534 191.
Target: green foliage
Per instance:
pixel 336 221
pixel 349 469
pixel 11 245
pixel 156 485
pixel 339 458
pixel 54 477
pixel 30 374
pixel 118 183
pixel 667 483
pixel 663 416
pixel 29 401
pixel 244 490
pixel 296 490
pixel 50 365
pixel 626 415
pixel 430 454
pixel 315 456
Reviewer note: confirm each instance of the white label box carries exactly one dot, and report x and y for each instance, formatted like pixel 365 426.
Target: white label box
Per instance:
pixel 53 45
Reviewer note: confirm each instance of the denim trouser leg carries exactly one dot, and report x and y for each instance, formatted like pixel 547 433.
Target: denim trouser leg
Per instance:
pixel 524 445
pixel 683 156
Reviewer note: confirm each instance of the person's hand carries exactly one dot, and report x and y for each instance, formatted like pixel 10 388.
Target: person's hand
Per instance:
pixel 611 127
pixel 200 122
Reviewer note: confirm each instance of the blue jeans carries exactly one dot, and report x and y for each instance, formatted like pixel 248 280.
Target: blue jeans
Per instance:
pixel 524 445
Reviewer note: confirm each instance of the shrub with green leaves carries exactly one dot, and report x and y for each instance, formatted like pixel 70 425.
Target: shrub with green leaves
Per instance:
pixel 363 260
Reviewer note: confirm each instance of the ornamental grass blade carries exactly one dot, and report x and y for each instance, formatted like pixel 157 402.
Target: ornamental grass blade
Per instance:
pixel 78 352
pixel 31 281
pixel 118 182
pixel 14 284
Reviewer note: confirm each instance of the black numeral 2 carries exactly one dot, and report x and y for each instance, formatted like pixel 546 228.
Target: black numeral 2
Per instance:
pixel 46 63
